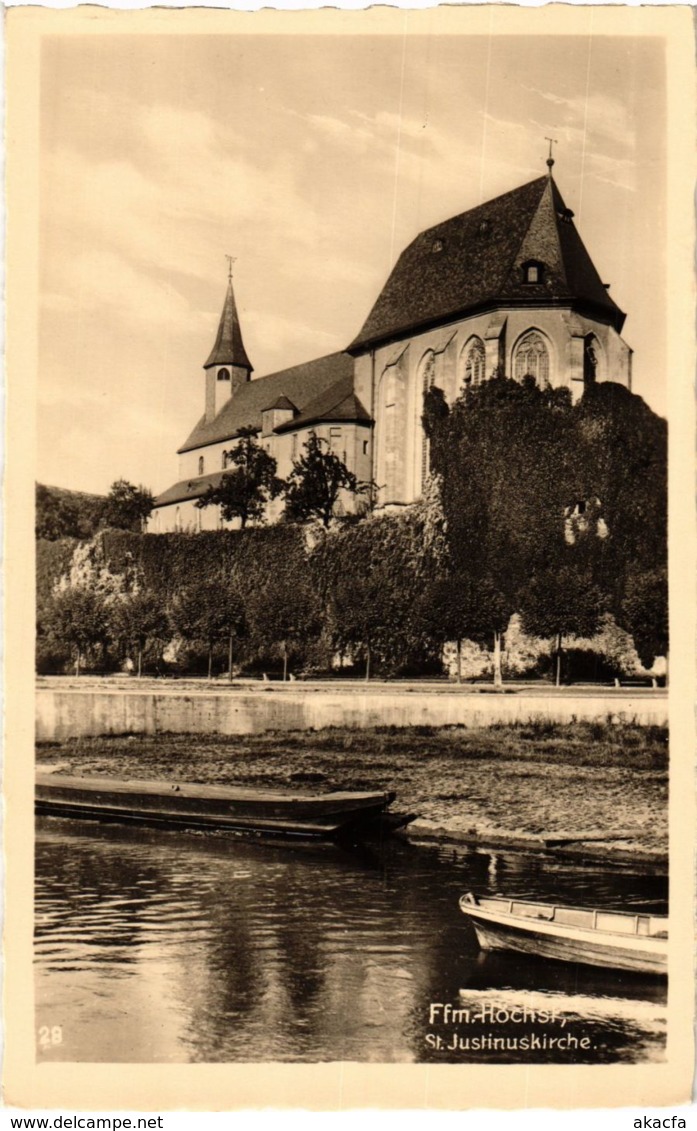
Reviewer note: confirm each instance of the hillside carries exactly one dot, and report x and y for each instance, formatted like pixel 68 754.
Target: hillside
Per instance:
pixel 61 513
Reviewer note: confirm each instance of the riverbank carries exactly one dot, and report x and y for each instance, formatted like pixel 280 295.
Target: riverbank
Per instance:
pixel 592 789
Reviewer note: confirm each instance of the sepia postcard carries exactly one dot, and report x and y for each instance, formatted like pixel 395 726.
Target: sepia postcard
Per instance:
pixel 349 558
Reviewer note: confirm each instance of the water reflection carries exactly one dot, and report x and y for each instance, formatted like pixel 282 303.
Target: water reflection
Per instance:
pixel 155 946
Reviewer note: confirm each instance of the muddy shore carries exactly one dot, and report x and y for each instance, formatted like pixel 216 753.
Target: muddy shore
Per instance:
pixel 582 789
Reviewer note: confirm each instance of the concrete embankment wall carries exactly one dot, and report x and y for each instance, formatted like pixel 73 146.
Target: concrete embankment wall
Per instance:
pixel 71 713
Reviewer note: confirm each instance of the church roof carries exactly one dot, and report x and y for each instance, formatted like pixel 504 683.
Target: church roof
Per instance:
pixel 229 347
pixel 187 489
pixel 301 384
pixel 338 404
pixel 475 261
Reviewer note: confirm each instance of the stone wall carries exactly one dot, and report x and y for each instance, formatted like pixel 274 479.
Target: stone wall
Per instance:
pixel 70 713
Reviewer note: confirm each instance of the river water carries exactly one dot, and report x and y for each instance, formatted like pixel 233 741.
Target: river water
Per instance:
pixel 158 946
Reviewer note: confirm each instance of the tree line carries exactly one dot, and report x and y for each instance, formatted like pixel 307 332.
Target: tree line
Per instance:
pixel 77 514
pixel 539 510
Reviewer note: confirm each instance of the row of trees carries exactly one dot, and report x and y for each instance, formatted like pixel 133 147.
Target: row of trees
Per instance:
pixel 537 509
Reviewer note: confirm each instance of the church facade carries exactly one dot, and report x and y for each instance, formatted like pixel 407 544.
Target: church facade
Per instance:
pixel 507 288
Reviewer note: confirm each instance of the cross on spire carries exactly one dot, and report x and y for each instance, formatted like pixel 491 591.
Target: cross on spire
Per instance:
pixel 230 260
pixel 550 160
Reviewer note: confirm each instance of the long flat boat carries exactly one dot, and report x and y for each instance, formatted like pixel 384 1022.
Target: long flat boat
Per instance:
pixel 614 939
pixel 292 813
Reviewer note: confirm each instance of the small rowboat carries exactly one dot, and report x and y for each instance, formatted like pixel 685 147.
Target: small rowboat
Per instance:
pixel 183 804
pixel 613 939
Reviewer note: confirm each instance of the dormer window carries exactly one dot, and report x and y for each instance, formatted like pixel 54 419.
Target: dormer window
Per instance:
pixel 484 227
pixel 223 374
pixel 438 246
pixel 533 271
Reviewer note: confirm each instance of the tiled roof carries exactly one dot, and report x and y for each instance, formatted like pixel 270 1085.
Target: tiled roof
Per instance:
pixel 302 384
pixel 187 489
pixel 338 403
pixel 229 347
pixel 475 260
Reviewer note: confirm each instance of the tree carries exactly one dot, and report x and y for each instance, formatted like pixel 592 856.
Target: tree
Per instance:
pixel 138 619
pixel 371 577
pixel 283 619
pixel 244 491
pixel 561 601
pixel 127 507
pixel 461 607
pixel 233 618
pixel 645 613
pixel 316 481
pixel 78 619
pixel 204 614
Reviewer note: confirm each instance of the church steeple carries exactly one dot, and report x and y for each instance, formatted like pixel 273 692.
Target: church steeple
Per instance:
pixel 227 366
pixel 229 347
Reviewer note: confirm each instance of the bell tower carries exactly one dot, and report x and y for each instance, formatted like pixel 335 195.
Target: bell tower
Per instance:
pixel 228 366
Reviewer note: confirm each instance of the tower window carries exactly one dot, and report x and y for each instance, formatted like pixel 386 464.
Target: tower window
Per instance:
pixel 365 447
pixel 223 374
pixel 201 465
pixel 533 271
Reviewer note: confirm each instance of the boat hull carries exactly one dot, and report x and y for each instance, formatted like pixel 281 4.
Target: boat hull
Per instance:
pixel 215 807
pixel 547 939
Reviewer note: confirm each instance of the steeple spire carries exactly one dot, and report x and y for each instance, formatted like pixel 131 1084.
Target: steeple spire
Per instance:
pixel 229 347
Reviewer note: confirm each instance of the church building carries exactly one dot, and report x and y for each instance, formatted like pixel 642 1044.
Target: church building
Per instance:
pixel 505 289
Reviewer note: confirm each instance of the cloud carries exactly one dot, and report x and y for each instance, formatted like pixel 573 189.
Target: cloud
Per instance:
pixel 607 118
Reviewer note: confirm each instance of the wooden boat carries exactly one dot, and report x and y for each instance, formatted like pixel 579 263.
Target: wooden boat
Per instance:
pixel 613 939
pixel 292 813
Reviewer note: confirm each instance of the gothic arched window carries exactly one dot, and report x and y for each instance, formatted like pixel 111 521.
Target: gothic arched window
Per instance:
pixel 427 372
pixel 474 358
pixel 223 374
pixel 532 358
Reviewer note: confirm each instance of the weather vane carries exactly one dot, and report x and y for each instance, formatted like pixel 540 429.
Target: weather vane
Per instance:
pixel 550 160
pixel 230 260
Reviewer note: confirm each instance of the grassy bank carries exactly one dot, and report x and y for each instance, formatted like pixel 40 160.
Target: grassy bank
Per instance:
pixel 534 779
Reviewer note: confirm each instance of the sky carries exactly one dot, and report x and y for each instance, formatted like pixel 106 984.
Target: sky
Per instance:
pixel 313 160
